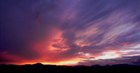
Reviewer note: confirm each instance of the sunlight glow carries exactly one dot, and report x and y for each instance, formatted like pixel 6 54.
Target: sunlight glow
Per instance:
pixel 69 63
pixel 108 55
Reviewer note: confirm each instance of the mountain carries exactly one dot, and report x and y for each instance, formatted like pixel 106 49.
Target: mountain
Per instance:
pixel 40 68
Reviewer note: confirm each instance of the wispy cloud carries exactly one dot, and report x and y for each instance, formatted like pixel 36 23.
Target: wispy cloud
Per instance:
pixel 70 31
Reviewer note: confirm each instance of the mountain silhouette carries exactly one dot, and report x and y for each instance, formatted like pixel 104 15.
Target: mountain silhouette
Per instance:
pixel 40 68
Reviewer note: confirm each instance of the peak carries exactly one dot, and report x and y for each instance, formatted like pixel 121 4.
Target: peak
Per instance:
pixel 38 64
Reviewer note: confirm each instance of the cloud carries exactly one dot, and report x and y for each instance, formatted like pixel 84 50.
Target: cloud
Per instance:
pixel 125 60
pixel 69 31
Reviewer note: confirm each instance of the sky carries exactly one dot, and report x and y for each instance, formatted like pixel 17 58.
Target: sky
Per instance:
pixel 70 32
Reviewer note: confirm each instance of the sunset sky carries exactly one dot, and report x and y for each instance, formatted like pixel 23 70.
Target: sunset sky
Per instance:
pixel 70 32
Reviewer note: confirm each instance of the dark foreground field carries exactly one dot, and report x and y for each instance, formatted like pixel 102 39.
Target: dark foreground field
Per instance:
pixel 39 68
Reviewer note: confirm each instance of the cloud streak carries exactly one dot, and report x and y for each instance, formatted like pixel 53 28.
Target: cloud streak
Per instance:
pixel 68 31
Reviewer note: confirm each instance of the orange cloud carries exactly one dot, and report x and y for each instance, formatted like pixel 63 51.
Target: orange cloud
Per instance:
pixel 49 51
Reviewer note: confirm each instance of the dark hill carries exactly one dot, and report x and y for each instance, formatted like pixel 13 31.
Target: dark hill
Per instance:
pixel 39 68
